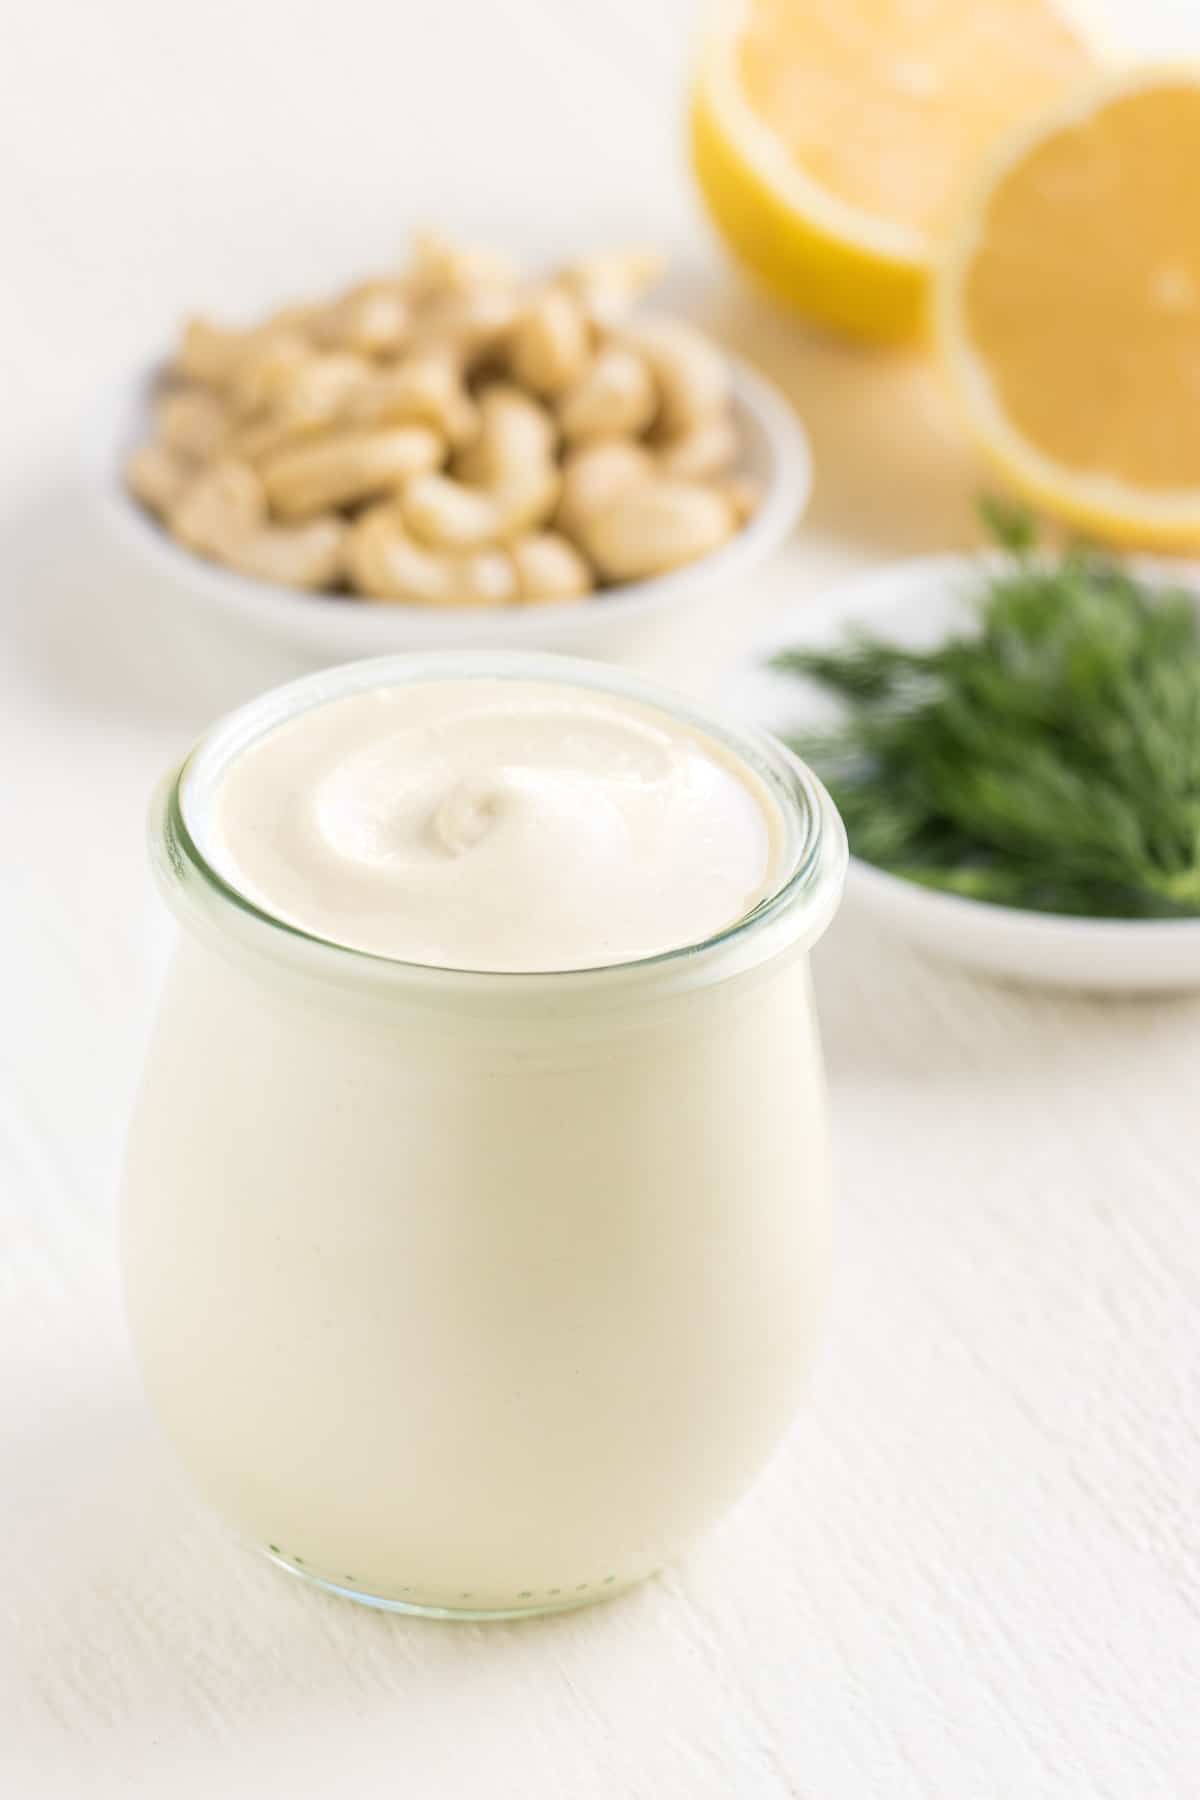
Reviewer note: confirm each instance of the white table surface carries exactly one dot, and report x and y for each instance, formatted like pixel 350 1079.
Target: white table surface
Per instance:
pixel 972 1571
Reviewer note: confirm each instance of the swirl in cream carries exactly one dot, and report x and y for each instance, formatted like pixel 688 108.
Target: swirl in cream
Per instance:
pixel 492 824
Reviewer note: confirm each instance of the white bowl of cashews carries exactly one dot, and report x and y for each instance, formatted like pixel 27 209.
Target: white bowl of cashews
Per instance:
pixel 457 456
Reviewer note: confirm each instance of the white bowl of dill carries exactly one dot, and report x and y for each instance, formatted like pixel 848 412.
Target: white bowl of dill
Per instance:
pixel 1013 740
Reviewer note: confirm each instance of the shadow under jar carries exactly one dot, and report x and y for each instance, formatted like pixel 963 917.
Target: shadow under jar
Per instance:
pixel 470 1293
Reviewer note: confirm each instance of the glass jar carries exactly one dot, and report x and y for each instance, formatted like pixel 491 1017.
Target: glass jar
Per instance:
pixel 477 1294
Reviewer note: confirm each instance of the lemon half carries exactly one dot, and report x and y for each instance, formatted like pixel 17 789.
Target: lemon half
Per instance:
pixel 830 136
pixel 1067 309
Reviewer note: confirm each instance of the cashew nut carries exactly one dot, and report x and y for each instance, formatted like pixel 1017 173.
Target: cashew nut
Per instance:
pixel 469 324
pixel 346 467
pixel 321 390
pixel 549 567
pixel 193 421
pixel 611 283
pixel 515 433
pixel 511 480
pixel 211 354
pixel 283 395
pixel 286 391
pixel 650 529
pixel 157 477
pixel 597 474
pixel 550 342
pixel 208 352
pixel 301 556
pixel 385 564
pixel 439 267
pixel 223 513
pixel 615 397
pixel 426 389
pixel 260 438
pixel 451 516
pixel 373 319
pixel 691 374
pixel 265 372
pixel 223 505
pixel 707 449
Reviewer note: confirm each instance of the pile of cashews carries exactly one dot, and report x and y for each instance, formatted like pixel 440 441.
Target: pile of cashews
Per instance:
pixel 453 435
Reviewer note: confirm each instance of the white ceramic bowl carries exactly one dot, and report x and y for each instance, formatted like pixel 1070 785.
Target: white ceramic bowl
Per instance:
pixel 918 603
pixel 679 626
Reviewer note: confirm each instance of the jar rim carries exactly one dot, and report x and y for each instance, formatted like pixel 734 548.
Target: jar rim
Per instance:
pixel 816 839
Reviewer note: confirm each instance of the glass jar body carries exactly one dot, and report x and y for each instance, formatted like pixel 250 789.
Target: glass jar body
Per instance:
pixel 469 1298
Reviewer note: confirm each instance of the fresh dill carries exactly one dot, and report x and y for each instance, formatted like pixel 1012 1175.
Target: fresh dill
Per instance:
pixel 1048 759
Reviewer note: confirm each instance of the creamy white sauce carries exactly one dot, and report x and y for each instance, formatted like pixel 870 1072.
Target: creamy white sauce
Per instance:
pixel 490 824
pixel 492 1304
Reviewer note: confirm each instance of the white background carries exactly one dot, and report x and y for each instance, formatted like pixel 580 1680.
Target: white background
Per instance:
pixel 973 1570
